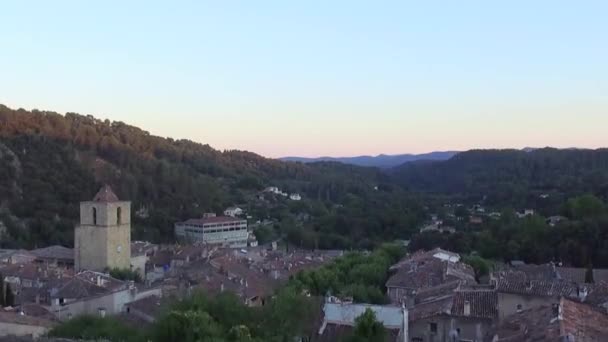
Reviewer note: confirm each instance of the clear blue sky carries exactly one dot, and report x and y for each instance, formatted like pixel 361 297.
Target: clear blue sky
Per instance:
pixel 319 77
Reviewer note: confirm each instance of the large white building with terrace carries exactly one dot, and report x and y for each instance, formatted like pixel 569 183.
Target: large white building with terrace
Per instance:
pixel 221 230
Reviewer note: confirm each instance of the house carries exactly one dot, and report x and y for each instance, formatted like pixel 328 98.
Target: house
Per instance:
pixel 494 215
pixel 273 189
pixel 233 211
pixel 295 197
pixel 55 255
pixel 146 309
pixel 32 275
pixel 466 314
pixel 566 320
pixel 20 325
pixel 94 293
pixel 339 320
pixel 255 287
pixel 525 213
pixel 426 270
pixel 18 256
pixel 221 230
pixel 555 220
pixel 517 295
pixel 437 227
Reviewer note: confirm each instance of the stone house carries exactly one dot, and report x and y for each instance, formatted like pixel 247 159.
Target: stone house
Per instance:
pixel 566 320
pixel 464 315
pixel 424 271
pixel 94 293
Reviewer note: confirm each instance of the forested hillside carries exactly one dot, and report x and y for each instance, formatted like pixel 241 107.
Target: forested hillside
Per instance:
pixel 511 178
pixel 50 162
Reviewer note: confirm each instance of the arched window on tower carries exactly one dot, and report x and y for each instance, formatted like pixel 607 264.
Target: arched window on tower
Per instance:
pixel 94 216
pixel 119 215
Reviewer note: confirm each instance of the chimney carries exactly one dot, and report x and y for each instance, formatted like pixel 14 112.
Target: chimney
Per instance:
pixel 467 308
pixel 404 324
pixel 582 293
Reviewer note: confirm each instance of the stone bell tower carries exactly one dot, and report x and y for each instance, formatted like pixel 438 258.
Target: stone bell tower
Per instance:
pixel 102 240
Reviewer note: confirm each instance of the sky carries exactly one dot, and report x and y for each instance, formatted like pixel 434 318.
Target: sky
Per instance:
pixel 319 78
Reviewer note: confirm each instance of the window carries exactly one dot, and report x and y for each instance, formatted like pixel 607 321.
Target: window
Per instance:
pixel 519 307
pixel 433 327
pixel 119 215
pixel 94 216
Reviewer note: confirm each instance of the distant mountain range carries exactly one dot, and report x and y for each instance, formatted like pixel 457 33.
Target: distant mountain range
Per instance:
pixel 381 161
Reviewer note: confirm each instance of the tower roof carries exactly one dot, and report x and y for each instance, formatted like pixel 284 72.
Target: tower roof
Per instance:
pixel 105 194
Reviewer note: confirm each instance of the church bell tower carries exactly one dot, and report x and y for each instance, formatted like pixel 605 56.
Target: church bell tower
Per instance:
pixel 102 240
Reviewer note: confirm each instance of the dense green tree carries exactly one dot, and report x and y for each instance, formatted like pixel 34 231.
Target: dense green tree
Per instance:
pixel 480 265
pixel 368 329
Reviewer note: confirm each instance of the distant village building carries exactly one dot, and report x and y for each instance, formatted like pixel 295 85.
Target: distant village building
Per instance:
pixel 54 255
pixel 233 211
pixel 475 220
pixel 525 213
pixel 94 293
pixel 16 324
pixel 295 197
pixel 222 230
pixel 18 256
pixel 555 220
pixel 273 189
pixel 103 238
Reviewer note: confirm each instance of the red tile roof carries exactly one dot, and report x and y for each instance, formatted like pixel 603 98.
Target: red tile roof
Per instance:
pixel 572 320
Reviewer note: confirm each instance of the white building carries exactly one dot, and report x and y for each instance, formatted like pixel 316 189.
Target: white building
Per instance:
pixel 233 211
pixel 222 230
pixel 295 197
pixel 273 189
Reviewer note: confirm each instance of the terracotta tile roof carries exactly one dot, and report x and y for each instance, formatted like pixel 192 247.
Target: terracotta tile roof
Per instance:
pixel 483 303
pixel 571 321
pixel 84 285
pixel 16 318
pixel 35 310
pixel 54 252
pixel 105 194
pixel 419 274
pixel 151 305
pixel 437 292
pixel 441 306
pixel 544 288
pixel 578 274
pixel 255 281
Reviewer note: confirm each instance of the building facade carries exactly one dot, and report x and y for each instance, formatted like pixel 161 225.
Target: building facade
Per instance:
pixel 220 230
pixel 103 238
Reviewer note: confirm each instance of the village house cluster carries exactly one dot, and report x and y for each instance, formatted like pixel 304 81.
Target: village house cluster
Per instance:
pixel 55 283
pixel 435 297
